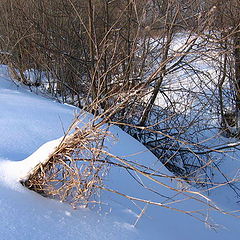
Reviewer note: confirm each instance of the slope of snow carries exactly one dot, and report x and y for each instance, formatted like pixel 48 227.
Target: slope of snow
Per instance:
pixel 26 122
pixel 26 215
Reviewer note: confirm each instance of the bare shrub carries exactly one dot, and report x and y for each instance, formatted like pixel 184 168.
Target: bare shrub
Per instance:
pixel 75 173
pixel 119 61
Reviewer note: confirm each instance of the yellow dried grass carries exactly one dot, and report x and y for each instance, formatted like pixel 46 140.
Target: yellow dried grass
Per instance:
pixel 74 172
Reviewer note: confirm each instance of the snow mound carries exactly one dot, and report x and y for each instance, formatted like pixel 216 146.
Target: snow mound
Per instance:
pixel 28 121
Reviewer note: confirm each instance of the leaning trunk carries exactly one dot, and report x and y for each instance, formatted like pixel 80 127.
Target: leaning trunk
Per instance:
pixel 237 65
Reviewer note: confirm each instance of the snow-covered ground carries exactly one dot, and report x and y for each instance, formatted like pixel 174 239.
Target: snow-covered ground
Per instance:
pixel 27 121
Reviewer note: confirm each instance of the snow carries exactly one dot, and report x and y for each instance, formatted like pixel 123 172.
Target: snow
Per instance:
pixel 26 215
pixel 20 170
pixel 28 120
pixel 31 126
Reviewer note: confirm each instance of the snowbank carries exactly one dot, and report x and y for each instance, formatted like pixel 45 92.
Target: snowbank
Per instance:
pixel 26 122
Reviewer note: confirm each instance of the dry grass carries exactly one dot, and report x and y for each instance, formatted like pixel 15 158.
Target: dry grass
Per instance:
pixel 74 172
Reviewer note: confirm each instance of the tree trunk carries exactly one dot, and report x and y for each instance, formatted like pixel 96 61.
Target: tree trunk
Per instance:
pixel 158 83
pixel 236 55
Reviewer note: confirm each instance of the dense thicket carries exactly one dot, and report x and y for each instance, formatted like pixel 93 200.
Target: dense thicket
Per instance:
pixel 121 59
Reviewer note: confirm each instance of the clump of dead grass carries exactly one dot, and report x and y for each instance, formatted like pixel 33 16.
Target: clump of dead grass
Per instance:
pixel 75 170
